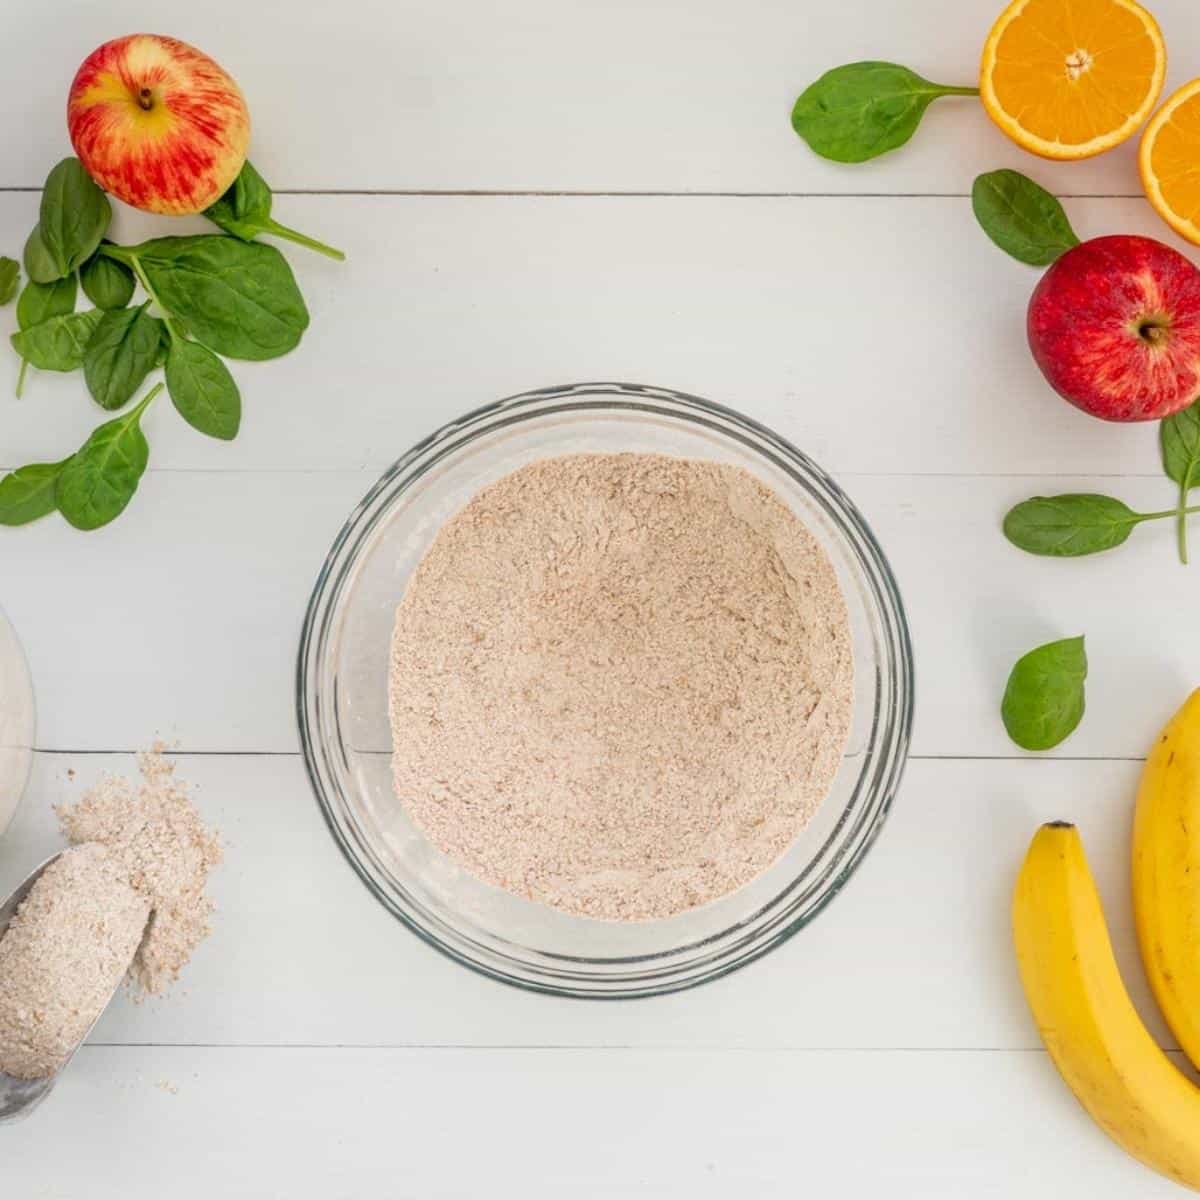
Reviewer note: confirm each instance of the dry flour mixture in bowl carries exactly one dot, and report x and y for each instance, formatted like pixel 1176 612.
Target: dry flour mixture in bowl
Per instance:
pixel 605 690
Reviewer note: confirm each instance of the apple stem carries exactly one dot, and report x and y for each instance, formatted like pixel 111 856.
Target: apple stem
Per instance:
pixel 146 99
pixel 302 239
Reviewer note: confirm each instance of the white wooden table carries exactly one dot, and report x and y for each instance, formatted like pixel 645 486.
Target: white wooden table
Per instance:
pixel 533 193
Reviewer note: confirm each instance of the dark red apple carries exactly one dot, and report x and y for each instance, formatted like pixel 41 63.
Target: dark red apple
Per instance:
pixel 1115 326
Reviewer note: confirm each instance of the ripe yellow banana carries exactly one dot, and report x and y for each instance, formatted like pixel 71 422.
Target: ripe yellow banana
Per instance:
pixel 1084 1014
pixel 1166 873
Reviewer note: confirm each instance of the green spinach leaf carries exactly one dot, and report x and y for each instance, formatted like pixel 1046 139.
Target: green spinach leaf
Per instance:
pixel 1071 525
pixel 121 354
pixel 238 298
pixel 245 211
pixel 39 263
pixel 41 301
pixel 28 492
pixel 10 278
pixel 1179 441
pixel 58 344
pixel 74 216
pixel 1023 219
pixel 863 109
pixel 100 479
pixel 164 348
pixel 1044 700
pixel 203 390
pixel 106 282
pixel 245 208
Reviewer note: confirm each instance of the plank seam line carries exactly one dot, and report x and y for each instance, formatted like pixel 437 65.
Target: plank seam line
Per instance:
pixel 380 468
pixel 585 193
pixel 176 753
pixel 569 1047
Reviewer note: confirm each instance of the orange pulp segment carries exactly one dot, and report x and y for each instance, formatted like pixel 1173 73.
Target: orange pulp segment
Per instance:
pixel 1072 78
pixel 1169 161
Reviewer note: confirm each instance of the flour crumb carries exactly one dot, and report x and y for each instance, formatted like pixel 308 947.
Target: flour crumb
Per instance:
pixel 165 1085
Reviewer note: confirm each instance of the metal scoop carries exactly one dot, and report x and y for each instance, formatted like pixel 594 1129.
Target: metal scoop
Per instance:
pixel 19 1097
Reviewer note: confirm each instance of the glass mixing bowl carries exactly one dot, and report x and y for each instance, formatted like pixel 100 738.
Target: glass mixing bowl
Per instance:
pixel 342 700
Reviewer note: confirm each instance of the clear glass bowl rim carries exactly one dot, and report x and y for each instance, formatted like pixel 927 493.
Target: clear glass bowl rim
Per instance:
pixel 892 728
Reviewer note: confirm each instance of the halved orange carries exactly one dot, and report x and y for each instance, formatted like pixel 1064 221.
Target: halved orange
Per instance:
pixel 1169 161
pixel 1072 78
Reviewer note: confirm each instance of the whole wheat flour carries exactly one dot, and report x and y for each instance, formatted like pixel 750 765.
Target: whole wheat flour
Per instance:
pixel 620 684
pixel 156 834
pixel 62 956
pixel 127 897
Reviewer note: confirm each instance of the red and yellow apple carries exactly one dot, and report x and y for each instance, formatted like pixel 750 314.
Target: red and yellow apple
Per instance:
pixel 157 123
pixel 1114 325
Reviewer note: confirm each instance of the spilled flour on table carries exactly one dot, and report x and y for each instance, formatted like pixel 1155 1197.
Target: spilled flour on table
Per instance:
pixel 155 832
pixel 129 896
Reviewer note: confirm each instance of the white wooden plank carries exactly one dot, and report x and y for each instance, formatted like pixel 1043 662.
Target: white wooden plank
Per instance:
pixel 914 953
pixel 878 335
pixel 441 1124
pixel 184 622
pixel 976 604
pixel 182 618
pixel 673 95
